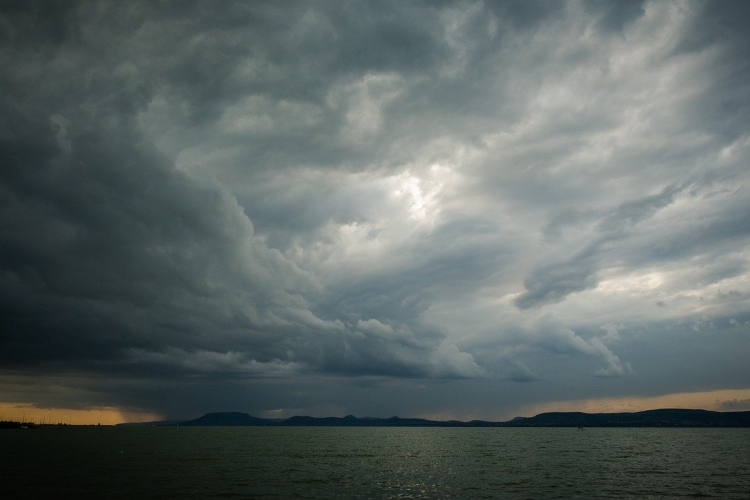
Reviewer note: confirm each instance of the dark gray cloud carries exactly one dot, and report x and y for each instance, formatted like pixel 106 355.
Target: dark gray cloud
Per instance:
pixel 735 405
pixel 615 16
pixel 111 254
pixel 554 282
pixel 315 205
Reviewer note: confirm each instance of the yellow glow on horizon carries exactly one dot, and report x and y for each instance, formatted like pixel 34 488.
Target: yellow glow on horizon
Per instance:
pixel 99 415
pixel 708 400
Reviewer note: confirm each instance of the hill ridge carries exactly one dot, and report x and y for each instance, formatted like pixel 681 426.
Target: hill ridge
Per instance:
pixel 662 417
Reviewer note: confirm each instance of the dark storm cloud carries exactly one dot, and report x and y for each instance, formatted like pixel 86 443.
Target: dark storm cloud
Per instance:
pixel 326 195
pixel 554 283
pixel 111 254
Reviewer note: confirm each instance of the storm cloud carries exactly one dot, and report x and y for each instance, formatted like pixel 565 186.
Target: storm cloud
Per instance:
pixel 410 208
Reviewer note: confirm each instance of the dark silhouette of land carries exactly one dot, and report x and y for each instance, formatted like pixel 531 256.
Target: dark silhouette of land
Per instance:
pixel 232 418
pixel 650 418
pixel 12 424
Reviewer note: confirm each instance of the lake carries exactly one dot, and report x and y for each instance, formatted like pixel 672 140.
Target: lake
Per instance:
pixel 346 462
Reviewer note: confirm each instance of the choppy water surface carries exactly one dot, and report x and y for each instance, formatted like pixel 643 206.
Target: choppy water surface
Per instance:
pixel 340 462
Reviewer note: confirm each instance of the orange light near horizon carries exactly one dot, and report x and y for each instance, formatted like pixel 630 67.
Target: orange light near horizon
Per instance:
pixel 27 412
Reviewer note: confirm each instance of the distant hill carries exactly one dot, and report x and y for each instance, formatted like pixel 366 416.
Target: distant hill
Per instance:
pixel 228 419
pixel 352 421
pixel 650 418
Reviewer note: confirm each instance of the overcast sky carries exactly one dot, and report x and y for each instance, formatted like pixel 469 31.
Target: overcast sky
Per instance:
pixel 439 209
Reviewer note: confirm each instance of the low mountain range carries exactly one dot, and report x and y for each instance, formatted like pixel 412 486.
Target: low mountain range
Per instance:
pixel 649 418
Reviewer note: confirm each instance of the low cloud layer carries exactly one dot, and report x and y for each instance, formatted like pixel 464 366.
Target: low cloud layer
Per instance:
pixel 415 208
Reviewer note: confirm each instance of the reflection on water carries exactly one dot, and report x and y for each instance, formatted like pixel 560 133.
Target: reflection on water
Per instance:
pixel 344 462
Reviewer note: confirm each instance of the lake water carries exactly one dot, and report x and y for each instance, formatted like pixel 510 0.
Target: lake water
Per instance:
pixel 341 462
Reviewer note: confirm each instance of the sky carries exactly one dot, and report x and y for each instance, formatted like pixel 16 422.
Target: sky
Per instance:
pixel 425 209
